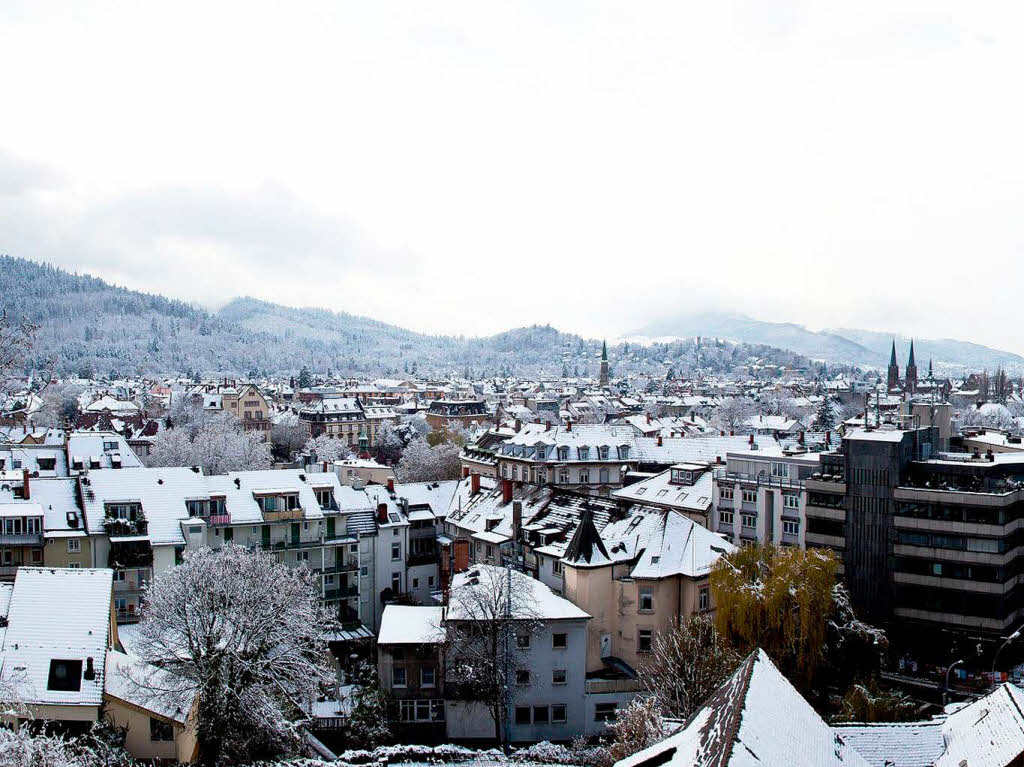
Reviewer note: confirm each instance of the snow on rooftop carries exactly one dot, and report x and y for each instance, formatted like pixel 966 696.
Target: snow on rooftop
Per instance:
pixel 57 614
pixel 534 601
pixel 755 719
pixel 403 624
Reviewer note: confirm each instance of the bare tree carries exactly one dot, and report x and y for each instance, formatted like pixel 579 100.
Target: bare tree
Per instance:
pixel 288 435
pixel 687 663
pixel 217 445
pixel 245 634
pixel 638 726
pixel 733 413
pixel 490 619
pixel 16 339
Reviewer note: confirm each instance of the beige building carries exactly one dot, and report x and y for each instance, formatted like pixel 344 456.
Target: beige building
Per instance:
pixel 636 577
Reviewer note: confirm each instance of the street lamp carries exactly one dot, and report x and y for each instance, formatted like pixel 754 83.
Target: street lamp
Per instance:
pixel 1014 636
pixel 945 690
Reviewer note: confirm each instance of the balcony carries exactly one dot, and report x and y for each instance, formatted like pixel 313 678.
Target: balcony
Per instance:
pixel 128 616
pixel 220 519
pixel 125 528
pixel 598 686
pixel 283 515
pixel 423 558
pixel 21 539
pixel 762 479
pixel 131 585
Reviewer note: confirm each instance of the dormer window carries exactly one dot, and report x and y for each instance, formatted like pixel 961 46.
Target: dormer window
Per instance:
pixel 584 453
pixel 563 454
pixel 624 452
pixel 602 452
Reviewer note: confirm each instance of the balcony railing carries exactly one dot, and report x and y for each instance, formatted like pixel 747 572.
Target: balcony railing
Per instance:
pixel 763 479
pixel 220 519
pixel 128 616
pixel 282 515
pixel 423 558
pixel 21 539
pixel 122 528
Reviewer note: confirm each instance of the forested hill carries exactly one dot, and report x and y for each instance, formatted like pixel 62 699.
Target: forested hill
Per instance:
pixel 88 326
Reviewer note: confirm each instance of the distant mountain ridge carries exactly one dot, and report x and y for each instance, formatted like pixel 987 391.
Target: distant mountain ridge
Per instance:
pixel 88 326
pixel 857 347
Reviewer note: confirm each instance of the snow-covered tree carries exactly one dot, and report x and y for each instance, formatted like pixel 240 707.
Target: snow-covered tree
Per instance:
pixel 367 725
pixel 325 448
pixel 639 725
pixel 423 463
pixel 244 633
pixel 688 661
pixel 733 413
pixel 217 445
pixel 388 444
pixel 59 404
pixel 103 746
pixel 825 417
pixel 288 435
pixel 991 416
pixel 487 614
pixel 16 340
pixel 305 380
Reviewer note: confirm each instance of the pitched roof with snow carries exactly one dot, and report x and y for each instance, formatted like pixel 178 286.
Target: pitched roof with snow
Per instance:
pixel 660 491
pixel 123 670
pixel 532 600
pixel 755 719
pixel 57 614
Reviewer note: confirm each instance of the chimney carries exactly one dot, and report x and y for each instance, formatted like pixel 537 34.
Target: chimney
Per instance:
pixel 990 456
pixel 506 491
pixel 461 556
pixel 721 433
pixel 26 490
pixel 391 484
pixel 474 483
pixel 517 519
pixel 568 424
pixel 732 433
pixel 547 426
pixel 751 439
pixel 801 440
pixel 325 467
pixel 382 513
pixel 648 418
pixel 465 472
pixel 659 441
pixel 519 425
pixel 828 438
pixel 90 670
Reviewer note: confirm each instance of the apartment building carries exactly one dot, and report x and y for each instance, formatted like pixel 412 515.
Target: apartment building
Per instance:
pixel 645 569
pixel 762 498
pixel 445 413
pixel 926 539
pixel 585 458
pixel 338 417
pixel 410 666
pixel 548 700
pixel 141 521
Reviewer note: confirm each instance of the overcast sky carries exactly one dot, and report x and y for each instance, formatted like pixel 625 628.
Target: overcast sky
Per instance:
pixel 474 166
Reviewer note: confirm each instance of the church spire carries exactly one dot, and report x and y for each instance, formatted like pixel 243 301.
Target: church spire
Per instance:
pixel 604 351
pixel 911 383
pixel 893 377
